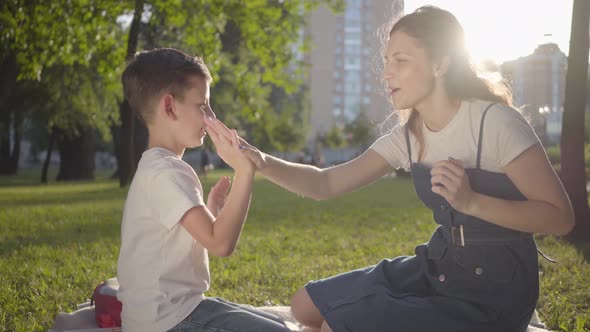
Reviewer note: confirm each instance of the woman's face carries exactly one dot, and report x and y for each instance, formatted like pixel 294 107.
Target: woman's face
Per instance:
pixel 408 71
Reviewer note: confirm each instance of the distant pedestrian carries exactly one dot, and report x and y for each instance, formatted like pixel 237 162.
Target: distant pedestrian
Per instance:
pixel 205 162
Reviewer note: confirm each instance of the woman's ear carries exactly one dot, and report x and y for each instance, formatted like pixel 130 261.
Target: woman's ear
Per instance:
pixel 441 67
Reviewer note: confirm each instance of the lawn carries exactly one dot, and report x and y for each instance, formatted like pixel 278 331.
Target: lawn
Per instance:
pixel 58 241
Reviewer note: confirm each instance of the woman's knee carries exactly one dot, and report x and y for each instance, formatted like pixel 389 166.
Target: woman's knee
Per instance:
pixel 304 310
pixel 325 327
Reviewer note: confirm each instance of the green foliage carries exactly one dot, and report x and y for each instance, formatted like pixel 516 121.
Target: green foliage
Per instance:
pixel 76 51
pixel 47 33
pixel 287 136
pixel 554 155
pixel 358 131
pixel 59 241
pixel 334 138
pixel 560 305
pixel 70 51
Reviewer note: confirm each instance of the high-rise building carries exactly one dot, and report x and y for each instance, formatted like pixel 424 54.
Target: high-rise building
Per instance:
pixel 345 63
pixel 538 87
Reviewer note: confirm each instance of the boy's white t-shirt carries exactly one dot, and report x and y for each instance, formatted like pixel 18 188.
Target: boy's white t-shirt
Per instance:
pixel 162 271
pixel 506 134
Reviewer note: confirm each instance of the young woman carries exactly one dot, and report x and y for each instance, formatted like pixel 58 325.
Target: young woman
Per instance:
pixel 475 162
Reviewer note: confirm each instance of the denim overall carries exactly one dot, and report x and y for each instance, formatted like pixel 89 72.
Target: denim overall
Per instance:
pixel 471 276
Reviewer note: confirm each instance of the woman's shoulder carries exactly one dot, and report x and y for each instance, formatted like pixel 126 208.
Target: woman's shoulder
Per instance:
pixel 496 112
pixel 396 131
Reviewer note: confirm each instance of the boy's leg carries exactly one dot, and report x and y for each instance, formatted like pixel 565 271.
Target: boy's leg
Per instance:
pixel 252 310
pixel 305 311
pixel 213 314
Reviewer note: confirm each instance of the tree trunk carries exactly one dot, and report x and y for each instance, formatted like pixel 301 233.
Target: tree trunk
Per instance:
pixel 7 85
pixel 5 124
pixel 127 155
pixel 124 160
pixel 573 173
pixel 10 122
pixel 141 140
pixel 17 130
pixel 116 133
pixel 76 156
pixel 48 155
pixel 8 118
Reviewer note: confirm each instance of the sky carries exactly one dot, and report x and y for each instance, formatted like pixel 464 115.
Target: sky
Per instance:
pixel 502 30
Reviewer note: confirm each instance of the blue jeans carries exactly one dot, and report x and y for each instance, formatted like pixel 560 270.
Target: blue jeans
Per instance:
pixel 218 315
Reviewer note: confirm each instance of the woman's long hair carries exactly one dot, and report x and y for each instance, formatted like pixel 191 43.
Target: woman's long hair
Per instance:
pixel 441 34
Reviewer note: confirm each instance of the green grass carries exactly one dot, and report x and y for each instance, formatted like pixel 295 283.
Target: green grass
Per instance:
pixel 58 241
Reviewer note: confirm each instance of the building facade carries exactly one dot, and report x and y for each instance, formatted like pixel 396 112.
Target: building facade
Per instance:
pixel 538 87
pixel 345 63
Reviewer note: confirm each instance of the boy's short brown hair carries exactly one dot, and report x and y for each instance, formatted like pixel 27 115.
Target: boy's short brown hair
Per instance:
pixel 155 72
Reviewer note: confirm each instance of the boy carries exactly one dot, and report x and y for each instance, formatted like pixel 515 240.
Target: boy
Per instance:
pixel 167 230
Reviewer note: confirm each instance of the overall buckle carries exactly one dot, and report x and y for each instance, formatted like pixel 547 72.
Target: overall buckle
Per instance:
pixel 457 235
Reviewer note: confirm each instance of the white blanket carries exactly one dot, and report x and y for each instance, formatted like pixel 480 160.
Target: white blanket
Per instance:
pixel 82 320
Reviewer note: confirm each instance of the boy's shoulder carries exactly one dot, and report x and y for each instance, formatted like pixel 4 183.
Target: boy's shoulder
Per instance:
pixel 158 163
pixel 160 159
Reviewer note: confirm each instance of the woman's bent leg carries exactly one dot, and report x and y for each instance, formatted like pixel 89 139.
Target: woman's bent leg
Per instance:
pixel 305 311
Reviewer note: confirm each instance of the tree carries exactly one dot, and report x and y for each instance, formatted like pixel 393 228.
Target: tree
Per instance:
pixel 358 131
pixel 573 174
pixel 287 136
pixel 246 58
pixel 47 39
pixel 126 147
pixel 335 137
pixel 70 50
pixel 10 120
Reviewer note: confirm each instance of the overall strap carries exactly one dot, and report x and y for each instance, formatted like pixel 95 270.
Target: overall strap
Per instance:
pixel 479 146
pixel 407 131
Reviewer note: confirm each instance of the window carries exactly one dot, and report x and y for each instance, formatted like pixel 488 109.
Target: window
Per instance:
pixel 351 87
pixel 353 101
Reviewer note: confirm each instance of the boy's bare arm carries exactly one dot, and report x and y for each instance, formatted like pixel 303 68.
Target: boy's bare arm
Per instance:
pixel 220 235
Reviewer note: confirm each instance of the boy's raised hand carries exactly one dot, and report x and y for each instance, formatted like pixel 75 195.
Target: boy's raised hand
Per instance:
pixel 255 155
pixel 216 197
pixel 228 147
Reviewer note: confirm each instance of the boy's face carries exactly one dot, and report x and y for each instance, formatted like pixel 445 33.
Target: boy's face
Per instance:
pixel 191 112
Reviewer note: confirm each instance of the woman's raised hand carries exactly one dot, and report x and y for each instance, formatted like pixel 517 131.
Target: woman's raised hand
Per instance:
pixel 228 146
pixel 221 130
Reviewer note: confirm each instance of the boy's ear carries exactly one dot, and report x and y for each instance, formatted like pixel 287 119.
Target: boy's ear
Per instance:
pixel 167 106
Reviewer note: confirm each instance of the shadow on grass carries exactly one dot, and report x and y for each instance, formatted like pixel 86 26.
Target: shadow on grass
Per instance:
pixel 62 235
pixel 48 198
pixel 32 177
pixel 584 248
pixel 580 236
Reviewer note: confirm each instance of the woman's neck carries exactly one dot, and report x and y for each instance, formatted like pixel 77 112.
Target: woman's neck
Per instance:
pixel 438 111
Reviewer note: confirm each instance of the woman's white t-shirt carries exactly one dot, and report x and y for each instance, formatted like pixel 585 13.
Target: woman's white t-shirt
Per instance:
pixel 506 134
